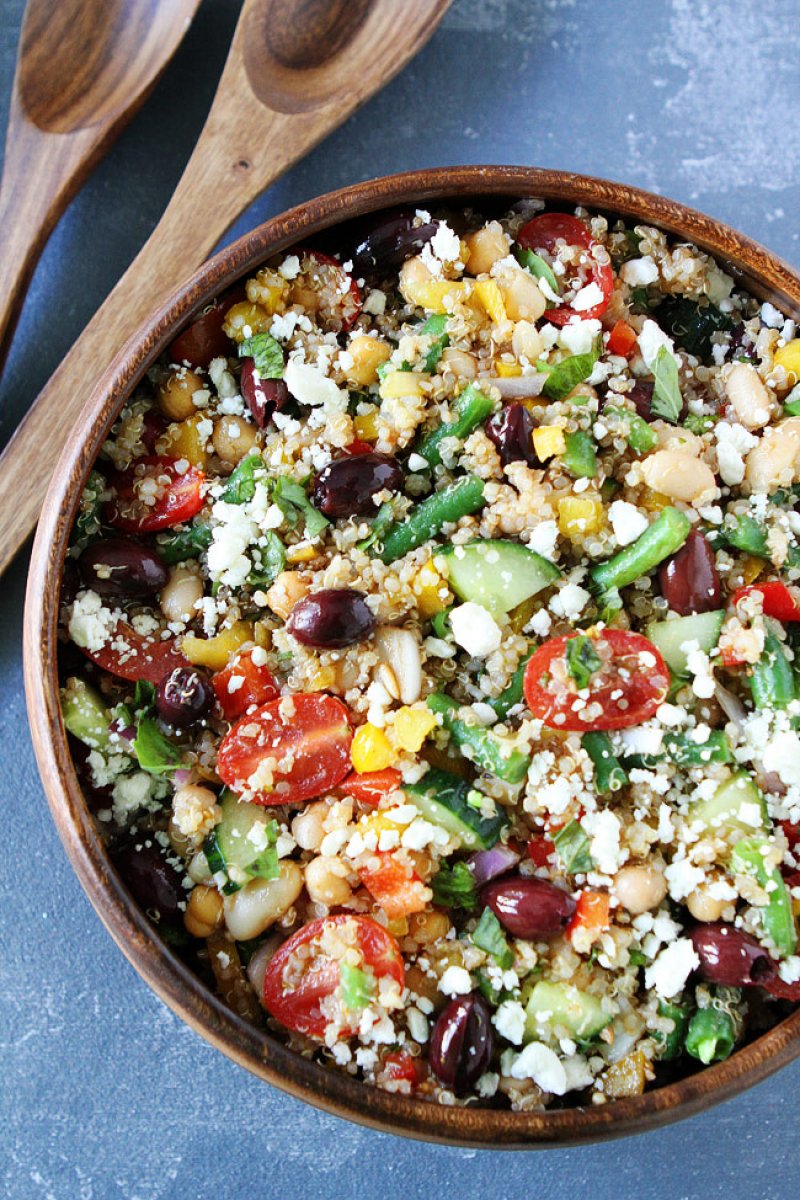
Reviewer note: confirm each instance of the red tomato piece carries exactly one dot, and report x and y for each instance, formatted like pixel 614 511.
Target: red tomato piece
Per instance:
pixel 370 787
pixel 298 987
pixel 323 283
pixel 592 914
pixel 204 339
pixel 309 745
pixel 622 340
pixel 178 495
pixel 626 690
pixel 544 233
pixel 129 655
pixel 541 851
pixel 397 1065
pixel 257 688
pixel 358 447
pixel 780 601
pixel 397 888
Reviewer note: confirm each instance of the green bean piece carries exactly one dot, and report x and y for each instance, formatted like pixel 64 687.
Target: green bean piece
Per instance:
pixel 666 535
pixel 580 456
pixel 686 752
pixel 450 504
pixel 639 436
pixel 747 535
pixel 748 858
pixel 711 1035
pixel 486 749
pixel 185 544
pixel 609 776
pixel 471 408
pixel 512 695
pixel 672 1043
pixel 440 623
pixel 772 680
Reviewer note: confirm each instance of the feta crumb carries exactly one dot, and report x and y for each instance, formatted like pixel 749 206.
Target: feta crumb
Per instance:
pixel 588 297
pixel 309 386
pixel 667 975
pixel 627 522
pixel 541 1064
pixel 475 629
pixel 578 336
pixel 509 1021
pixel 639 272
pixel 651 339
pixel 544 539
pixel 455 982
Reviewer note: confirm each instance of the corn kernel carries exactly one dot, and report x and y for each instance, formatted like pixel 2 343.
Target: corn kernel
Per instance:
pixel 244 319
pixel 365 425
pixel 579 516
pixel 433 294
pixel 788 357
pixel 507 370
pixel 183 439
pixel 397 384
pixel 215 652
pixel 371 750
pixel 490 299
pixel 548 440
pixel 431 591
pixel 412 726
pixel 300 553
pixel 626 1077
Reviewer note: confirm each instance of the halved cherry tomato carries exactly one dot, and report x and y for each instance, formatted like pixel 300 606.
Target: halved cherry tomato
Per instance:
pixel 358 447
pixel 178 495
pixel 298 985
pixel 397 888
pixel 592 914
pixel 370 787
pixel 622 340
pixel 204 339
pixel 398 1065
pixel 541 851
pixel 543 233
pixel 257 687
pixel 780 601
pixel 129 655
pixel 626 690
pixel 301 743
pixel 324 285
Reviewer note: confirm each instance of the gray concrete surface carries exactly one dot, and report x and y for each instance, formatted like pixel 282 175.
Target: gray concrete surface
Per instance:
pixel 105 1095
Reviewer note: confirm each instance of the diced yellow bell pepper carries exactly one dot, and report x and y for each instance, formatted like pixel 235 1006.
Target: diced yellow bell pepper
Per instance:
pixel 182 439
pixel 490 299
pixel 507 370
pixel 324 679
pixel 365 425
pixel 411 726
pixel 398 927
pixel 788 357
pixel 626 1077
pixel 243 320
pixel 397 384
pixel 216 652
pixel 654 501
pixel 431 591
pixel 579 516
pixel 549 440
pixel 432 294
pixel 269 289
pixel 371 750
pixel 751 568
pixel 300 554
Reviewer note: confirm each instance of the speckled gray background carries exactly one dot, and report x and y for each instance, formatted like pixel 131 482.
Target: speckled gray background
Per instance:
pixel 105 1095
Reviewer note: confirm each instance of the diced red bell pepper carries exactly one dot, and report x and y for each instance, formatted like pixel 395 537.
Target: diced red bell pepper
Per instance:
pixel 257 687
pixel 622 340
pixel 780 601
pixel 592 914
pixel 397 889
pixel 541 851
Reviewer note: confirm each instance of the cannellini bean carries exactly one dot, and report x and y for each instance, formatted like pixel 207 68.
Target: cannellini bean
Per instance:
pixel 307 827
pixel 198 868
pixel 680 476
pixel 257 967
pixel 522 296
pixel 639 888
pixel 705 907
pixel 750 400
pixel 526 341
pixel 286 591
pixel 326 881
pixel 180 594
pixel 233 438
pixel 176 392
pixel 261 902
pixel 459 362
pixel 674 437
pixel 775 461
pixel 399 650
pixel 486 247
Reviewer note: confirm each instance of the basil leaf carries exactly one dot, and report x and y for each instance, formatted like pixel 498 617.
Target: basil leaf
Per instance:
pixel 357 987
pixel 295 505
pixel 384 519
pixel 155 753
pixel 144 697
pixel 454 887
pixel 566 375
pixel 488 935
pixel 266 353
pixel 241 485
pixel 87 522
pixel 269 559
pixel 572 845
pixel 185 544
pixel 582 660
pixel 667 401
pixel 692 325
pixel 538 267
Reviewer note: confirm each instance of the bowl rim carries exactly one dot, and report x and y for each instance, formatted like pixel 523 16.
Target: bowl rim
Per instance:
pixel 755 268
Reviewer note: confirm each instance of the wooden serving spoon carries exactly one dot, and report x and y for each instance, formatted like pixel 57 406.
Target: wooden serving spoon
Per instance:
pixel 84 67
pixel 296 70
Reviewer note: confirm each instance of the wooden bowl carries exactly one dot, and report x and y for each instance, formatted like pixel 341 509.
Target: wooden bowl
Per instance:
pixel 754 268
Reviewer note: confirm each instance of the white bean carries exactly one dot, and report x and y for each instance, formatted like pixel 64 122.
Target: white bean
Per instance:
pixel 460 363
pixel 680 476
pixel 307 828
pixel 639 889
pixel 486 246
pixel 180 594
pixel 261 902
pixel 526 341
pixel 775 461
pixel 750 400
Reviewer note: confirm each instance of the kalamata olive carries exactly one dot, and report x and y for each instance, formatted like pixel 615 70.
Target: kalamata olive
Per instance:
pixel 689 580
pixel 263 396
pixel 184 696
pixel 155 884
pixel 391 240
pixel 529 907
pixel 119 567
pixel 331 618
pixel 729 956
pixel 346 486
pixel 642 396
pixel 511 430
pixel 462 1042
pixel 205 339
pixel 153 427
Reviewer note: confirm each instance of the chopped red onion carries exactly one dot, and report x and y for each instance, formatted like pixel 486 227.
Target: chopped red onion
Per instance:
pixel 488 864
pixel 519 387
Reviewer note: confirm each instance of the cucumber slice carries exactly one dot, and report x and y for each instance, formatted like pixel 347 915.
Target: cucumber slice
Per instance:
pixel 85 715
pixel 670 637
pixel 242 845
pixel 725 812
pixel 496 574
pixel 553 1007
pixel 452 803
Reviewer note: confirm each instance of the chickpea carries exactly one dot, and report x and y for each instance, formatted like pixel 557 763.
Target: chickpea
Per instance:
pixel 422 863
pixel 175 396
pixel 233 438
pixel 775 461
pixel 526 341
pixel 705 907
pixel 368 353
pixel 420 984
pixel 326 881
pixel 640 888
pixel 522 296
pixel 412 273
pixel 486 247
pixel 203 911
pixel 307 828
pixel 680 476
pixel 261 902
pixel 750 400
pixel 180 594
pixel 426 927
pixel 288 588
pixel 460 363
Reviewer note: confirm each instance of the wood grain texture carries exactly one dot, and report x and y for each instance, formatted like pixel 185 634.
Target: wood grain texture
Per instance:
pixel 84 67
pixel 296 70
pixel 755 269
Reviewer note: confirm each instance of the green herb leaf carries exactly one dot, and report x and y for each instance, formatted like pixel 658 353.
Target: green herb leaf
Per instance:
pixel 266 354
pixel 667 401
pixel 692 325
pixel 155 753
pixel 572 845
pixel 241 485
pixel 582 660
pixel 269 560
pixel 87 522
pixel 384 519
pixel 568 374
pixel 388 367
pixel 144 698
pixel 488 935
pixel 435 327
pixel 454 887
pixel 357 987
pixel 295 505
pixel 185 544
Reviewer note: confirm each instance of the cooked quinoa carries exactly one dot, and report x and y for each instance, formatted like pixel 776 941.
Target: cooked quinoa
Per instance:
pixel 431 655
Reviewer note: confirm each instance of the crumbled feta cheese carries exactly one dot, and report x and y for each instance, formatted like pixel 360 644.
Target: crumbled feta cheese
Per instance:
pixel 698 665
pixel 682 878
pixel 639 272
pixel 770 316
pixel 290 267
pixel 475 629
pixel 509 1021
pixel 673 966
pixel 782 755
pixel 541 1064
pixel 604 829
pixel 570 601
pixel 90 623
pixel 578 336
pixel 733 442
pixel 540 623
pixel 309 386
pixel 587 297
pixel 642 739
pixel 651 339
pixel 455 982
pixel 375 303
pixel 626 521
pixel 544 538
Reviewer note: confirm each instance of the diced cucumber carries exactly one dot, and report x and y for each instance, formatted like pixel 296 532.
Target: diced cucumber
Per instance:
pixel 85 715
pixel 553 1007
pixel 496 574
pixel 242 845
pixel 671 637
pixel 452 803
pixel 725 811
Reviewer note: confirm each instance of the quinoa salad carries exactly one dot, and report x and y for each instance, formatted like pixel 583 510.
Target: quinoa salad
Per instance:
pixel 430 654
